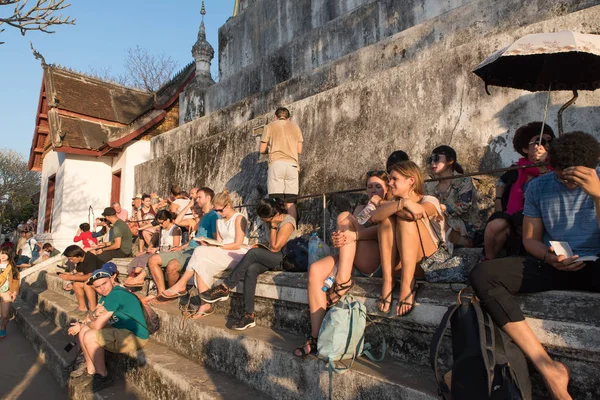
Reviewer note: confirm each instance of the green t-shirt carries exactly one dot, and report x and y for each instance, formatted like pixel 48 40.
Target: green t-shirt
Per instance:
pixel 127 312
pixel 120 229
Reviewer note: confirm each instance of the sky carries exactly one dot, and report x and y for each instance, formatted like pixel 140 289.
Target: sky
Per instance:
pixel 103 32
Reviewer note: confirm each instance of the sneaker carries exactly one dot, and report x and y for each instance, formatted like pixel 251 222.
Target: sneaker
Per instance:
pixel 218 293
pixel 247 321
pixel 99 382
pixel 2 333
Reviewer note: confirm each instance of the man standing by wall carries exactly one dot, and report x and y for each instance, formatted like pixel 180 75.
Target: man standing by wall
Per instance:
pixel 282 140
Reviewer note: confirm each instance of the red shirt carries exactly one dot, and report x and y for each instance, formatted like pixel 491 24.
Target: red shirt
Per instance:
pixel 86 238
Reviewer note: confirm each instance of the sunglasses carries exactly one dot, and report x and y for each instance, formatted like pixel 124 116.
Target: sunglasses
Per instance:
pixel 435 158
pixel 99 275
pixel 221 209
pixel 544 142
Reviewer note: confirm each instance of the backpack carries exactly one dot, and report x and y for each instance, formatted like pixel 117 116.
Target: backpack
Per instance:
pixel 342 336
pixel 487 364
pixel 150 317
pixel 295 255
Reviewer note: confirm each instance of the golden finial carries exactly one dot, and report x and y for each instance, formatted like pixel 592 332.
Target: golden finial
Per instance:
pixel 203 10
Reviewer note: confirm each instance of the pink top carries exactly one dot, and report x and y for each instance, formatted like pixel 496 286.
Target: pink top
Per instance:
pixel 123 215
pixel 516 199
pixel 86 238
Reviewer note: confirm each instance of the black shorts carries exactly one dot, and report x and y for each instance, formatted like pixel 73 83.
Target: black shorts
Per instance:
pixel 287 198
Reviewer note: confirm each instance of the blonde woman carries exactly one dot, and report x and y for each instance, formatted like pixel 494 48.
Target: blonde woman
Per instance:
pixel 410 207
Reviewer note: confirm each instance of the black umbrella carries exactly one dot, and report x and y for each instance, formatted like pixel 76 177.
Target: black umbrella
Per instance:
pixel 546 61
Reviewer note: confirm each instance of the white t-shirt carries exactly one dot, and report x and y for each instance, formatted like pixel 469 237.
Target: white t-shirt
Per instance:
pixel 182 203
pixel 167 235
pixel 28 247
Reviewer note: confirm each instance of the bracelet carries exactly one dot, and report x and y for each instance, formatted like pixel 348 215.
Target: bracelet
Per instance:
pixel 545 254
pixel 274 228
pixel 356 236
pixel 399 206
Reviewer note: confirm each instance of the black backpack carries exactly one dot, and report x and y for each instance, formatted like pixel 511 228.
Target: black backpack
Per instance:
pixel 295 255
pixel 487 364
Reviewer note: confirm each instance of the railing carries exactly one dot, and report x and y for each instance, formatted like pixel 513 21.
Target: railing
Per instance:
pixel 324 195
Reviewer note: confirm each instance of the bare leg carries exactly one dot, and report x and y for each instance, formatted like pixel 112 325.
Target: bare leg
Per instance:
pixel 455 238
pixel 202 287
pixel 78 288
pixel 495 237
pixel 317 299
pixel 155 267
pixel 292 210
pixel 554 373
pixel 95 352
pixel 88 359
pixel 348 251
pixel 409 248
pixel 173 268
pixel 388 254
pixel 179 286
pixel 90 294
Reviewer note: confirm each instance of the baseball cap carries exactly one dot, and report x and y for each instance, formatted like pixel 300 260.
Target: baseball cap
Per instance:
pixel 107 270
pixel 108 211
pixel 137 196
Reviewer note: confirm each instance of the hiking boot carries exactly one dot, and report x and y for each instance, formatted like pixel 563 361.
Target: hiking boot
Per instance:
pixel 99 382
pixel 218 293
pixel 247 321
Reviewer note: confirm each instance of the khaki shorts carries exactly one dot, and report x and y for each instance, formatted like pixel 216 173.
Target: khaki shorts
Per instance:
pixel 119 340
pixel 282 178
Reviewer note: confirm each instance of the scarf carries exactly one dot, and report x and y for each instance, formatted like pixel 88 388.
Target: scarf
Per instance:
pixel 516 199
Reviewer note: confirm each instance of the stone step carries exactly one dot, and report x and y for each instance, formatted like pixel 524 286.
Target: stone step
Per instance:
pixel 158 372
pixel 268 361
pixel 49 341
pixel 567 323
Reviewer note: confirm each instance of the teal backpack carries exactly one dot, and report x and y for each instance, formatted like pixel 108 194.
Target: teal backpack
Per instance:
pixel 342 336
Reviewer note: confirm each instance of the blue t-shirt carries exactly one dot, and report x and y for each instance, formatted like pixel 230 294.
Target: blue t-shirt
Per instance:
pixel 207 228
pixel 568 214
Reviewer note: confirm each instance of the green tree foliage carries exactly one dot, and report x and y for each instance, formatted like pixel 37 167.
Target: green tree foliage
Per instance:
pixel 18 186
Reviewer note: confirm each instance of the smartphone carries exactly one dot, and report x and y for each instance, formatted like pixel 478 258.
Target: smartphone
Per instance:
pixel 59 272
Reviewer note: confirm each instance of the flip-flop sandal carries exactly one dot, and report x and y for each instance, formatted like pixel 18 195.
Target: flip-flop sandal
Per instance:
pixel 171 294
pixel 311 342
pixel 403 301
pixel 386 300
pixel 202 314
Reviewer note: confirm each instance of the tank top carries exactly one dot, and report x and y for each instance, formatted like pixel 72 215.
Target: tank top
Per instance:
pixel 144 214
pixel 166 237
pixel 182 203
pixel 227 229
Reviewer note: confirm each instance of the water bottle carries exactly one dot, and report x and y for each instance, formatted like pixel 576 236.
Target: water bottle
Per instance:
pixel 366 213
pixel 313 248
pixel 328 283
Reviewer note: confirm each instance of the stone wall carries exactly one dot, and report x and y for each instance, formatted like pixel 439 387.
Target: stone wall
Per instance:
pixel 412 91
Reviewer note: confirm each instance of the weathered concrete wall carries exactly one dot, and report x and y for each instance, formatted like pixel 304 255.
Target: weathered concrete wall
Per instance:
pixel 412 91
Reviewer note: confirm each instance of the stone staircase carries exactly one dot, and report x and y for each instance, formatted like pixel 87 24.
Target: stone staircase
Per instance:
pixel 204 359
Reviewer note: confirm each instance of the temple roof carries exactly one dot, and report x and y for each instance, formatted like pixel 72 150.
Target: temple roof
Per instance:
pixel 81 114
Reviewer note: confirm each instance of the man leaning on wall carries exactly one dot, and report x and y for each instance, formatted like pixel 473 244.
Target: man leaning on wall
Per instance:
pixel 282 141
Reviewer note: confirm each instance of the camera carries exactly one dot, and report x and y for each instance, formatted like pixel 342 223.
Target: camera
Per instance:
pixel 70 346
pixel 102 219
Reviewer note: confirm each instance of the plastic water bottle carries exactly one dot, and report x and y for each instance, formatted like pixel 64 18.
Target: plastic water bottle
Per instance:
pixel 366 213
pixel 328 283
pixel 316 249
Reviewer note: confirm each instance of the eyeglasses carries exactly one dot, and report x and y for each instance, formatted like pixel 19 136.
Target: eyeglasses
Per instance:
pixel 161 222
pixel 543 142
pixel 435 158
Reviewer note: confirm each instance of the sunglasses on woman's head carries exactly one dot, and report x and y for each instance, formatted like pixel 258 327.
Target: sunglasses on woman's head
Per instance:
pixel 377 173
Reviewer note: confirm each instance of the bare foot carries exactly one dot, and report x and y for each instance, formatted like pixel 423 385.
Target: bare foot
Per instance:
pixel 407 298
pixel 557 381
pixel 148 298
pixel 385 301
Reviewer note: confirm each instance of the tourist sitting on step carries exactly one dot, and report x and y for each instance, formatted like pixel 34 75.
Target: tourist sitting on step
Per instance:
pixel 121 240
pixel 214 256
pixel 186 219
pixel 117 325
pixel 560 206
pixel 29 250
pixel 259 259
pixel 9 287
pixel 48 251
pixel 504 227
pixel 169 240
pixel 84 236
pixel 145 216
pixel 85 263
pixel 456 195
pixel 414 222
pixel 359 255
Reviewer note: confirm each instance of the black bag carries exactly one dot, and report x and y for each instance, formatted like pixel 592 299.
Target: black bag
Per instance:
pixel 487 364
pixel 295 255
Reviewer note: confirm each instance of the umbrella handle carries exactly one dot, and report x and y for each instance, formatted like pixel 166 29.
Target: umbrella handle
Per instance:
pixel 563 108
